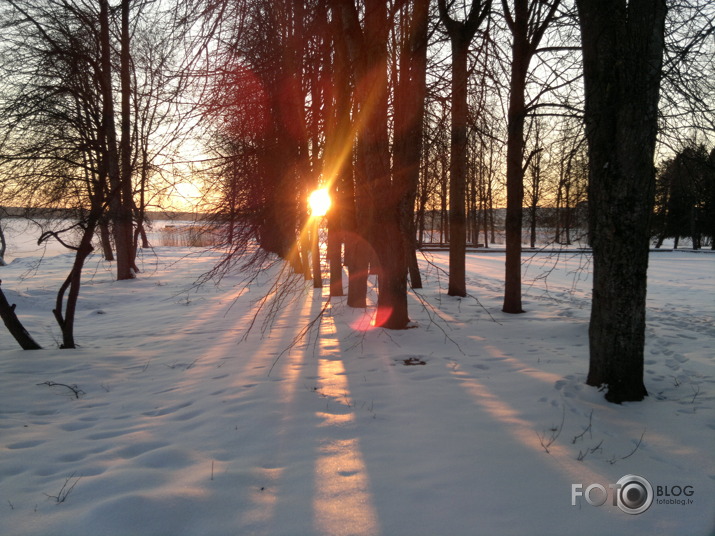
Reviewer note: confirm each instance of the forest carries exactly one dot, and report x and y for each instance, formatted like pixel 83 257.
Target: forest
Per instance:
pixel 584 122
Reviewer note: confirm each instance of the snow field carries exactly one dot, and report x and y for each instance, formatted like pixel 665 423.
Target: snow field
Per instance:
pixel 183 427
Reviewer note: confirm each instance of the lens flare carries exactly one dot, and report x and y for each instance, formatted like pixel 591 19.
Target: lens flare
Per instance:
pixel 319 202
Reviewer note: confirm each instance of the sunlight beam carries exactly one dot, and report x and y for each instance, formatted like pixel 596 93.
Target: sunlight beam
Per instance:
pixel 343 503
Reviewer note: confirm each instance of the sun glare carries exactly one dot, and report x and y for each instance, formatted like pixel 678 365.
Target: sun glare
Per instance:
pixel 188 191
pixel 319 202
pixel 185 196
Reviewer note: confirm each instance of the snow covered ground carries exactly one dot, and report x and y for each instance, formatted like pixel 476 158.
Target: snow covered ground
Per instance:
pixel 475 422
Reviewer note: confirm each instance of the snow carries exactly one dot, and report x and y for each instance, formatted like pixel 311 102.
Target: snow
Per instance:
pixel 179 429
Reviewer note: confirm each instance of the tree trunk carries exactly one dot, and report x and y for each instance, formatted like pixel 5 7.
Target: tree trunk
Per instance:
pixel 622 51
pixel 106 240
pixel 141 209
pixel 460 35
pixel 14 326
pixel 122 241
pixel 315 253
pixel 72 284
pixel 305 245
pixel 3 246
pixel 338 152
pixel 66 319
pixel 385 234
pixel 410 94
pixel 535 168
pixel 349 42
pixel 514 170
pixel 124 225
pixel 392 276
pixel 357 252
pixel 458 171
pixel 335 250
pixel 358 264
pixel 488 215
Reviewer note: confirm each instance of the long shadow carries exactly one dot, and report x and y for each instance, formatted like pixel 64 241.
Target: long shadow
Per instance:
pixel 288 443
pixel 311 461
pixel 440 449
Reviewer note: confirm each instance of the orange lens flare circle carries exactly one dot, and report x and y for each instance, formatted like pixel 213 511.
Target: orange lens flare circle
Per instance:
pixel 319 202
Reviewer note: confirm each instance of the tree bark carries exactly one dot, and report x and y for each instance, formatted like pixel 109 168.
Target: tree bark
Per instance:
pixel 72 285
pixel 458 172
pixel 106 240
pixel 122 242
pixel 124 225
pixel 3 245
pixel 14 326
pixel 623 46
pixel 335 249
pixel 315 253
pixel 514 168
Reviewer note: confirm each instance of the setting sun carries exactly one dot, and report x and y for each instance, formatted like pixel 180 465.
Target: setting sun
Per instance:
pixel 319 202
pixel 188 192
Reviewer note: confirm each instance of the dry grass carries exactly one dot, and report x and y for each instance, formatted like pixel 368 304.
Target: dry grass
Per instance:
pixel 192 235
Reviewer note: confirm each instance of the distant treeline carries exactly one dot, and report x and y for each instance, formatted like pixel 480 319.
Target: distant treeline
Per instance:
pixel 63 213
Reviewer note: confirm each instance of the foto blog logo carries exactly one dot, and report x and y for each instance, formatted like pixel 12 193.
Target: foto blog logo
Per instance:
pixel 633 494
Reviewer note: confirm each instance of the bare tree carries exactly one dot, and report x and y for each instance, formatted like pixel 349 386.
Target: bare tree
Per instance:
pixel 120 213
pixel 461 34
pixel 60 148
pixel 527 23
pixel 54 150
pixel 569 221
pixel 535 183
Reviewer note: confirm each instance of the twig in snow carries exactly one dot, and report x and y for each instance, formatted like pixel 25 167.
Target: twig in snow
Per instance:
pixel 76 390
pixel 635 448
pixel 583 453
pixel 631 453
pixel 65 490
pixel 587 429
pixel 696 392
pixel 555 433
pixel 432 311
